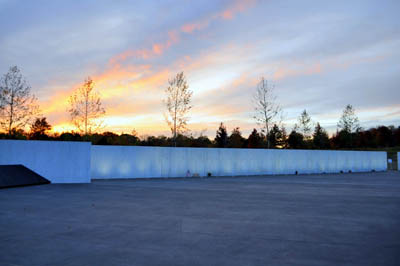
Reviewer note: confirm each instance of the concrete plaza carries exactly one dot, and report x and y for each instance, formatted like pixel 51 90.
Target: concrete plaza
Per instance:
pixel 341 219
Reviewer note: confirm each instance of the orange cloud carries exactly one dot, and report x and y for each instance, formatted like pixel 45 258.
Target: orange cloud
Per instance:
pixel 122 86
pixel 157 49
pixel 108 83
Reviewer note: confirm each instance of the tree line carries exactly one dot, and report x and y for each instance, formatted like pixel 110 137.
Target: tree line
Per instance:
pixel 19 111
pixel 381 137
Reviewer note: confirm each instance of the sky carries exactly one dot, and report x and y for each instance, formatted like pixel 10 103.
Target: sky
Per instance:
pixel 320 56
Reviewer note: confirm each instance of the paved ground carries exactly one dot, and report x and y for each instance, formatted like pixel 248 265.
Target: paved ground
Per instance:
pixel 348 219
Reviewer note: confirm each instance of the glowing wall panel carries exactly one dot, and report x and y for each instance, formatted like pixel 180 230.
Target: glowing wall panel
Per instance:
pixel 143 162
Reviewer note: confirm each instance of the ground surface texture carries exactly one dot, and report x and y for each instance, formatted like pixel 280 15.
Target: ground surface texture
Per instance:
pixel 343 219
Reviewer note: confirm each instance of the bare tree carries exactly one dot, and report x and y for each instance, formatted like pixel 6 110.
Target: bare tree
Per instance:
pixel 305 124
pixel 178 104
pixel 349 121
pixel 17 104
pixel 266 109
pixel 86 109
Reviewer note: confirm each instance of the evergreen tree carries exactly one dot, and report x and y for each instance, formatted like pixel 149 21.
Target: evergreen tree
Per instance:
pixel 283 138
pixel 320 138
pixel 277 137
pixel 296 140
pixel 235 139
pixel 255 140
pixel 273 136
pixel 221 139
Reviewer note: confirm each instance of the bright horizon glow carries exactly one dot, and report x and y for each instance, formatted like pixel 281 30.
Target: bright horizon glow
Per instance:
pixel 320 56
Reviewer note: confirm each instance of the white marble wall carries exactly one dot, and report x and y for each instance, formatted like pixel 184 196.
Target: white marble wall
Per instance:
pixel 141 162
pixel 58 161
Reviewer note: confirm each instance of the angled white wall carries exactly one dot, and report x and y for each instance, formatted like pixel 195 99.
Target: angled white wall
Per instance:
pixel 141 162
pixel 58 161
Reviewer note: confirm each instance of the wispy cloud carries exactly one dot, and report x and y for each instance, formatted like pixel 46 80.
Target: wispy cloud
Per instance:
pixel 173 36
pixel 321 56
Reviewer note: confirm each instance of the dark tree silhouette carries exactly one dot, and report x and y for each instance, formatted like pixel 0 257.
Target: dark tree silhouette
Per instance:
pixel 156 141
pixel 277 137
pixel 236 140
pixel 70 136
pixel 255 140
pixel 108 138
pixel 201 141
pixel 273 136
pixel 296 140
pixel 221 139
pixel 320 138
pixel 39 129
pixel 384 137
pixel 396 137
pixel 128 139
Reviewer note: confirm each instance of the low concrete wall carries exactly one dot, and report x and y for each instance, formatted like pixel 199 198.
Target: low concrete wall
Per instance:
pixel 58 161
pixel 142 162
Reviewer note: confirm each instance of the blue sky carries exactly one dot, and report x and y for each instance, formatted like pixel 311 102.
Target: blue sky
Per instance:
pixel 321 56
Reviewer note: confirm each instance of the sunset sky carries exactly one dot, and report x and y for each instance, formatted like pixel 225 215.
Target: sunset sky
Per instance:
pixel 321 56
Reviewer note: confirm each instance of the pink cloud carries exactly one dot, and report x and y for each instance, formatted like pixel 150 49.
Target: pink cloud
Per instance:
pixel 237 7
pixel 297 70
pixel 158 49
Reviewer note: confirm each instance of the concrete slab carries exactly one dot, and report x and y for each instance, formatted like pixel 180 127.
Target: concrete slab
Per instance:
pixel 18 176
pixel 348 219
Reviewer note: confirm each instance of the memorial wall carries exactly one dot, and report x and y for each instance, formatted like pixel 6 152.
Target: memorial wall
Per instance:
pixel 79 162
pixel 144 162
